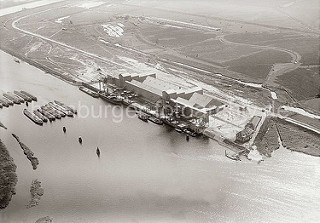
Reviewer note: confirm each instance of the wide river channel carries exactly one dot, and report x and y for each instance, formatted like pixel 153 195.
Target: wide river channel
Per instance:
pixel 146 172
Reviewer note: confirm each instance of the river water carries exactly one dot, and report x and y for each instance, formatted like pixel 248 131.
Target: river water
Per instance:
pixel 146 173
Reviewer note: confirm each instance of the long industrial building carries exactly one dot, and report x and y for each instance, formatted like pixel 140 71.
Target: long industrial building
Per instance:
pixel 189 102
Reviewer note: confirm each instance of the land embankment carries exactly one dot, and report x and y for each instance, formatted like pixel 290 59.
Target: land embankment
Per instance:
pixel 293 137
pixel 8 176
pixel 267 138
pixel 30 155
pixel 299 139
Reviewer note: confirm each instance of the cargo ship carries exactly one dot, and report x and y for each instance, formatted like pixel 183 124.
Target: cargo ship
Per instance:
pixel 51 111
pixel 144 117
pixel 49 116
pixel 112 99
pixel 29 95
pixel 155 120
pixel 25 97
pixel 33 117
pixel 39 115
pixel 20 99
pixel 89 92
pixel 6 102
pixel 74 111
pixel 14 100
pixel 63 114
pixel 66 111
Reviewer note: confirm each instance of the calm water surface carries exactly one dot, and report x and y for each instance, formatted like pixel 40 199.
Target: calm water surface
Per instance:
pixel 146 173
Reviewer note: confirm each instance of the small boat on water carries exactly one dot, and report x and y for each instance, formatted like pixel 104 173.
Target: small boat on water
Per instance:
pixel 178 130
pixel 235 156
pixel 89 92
pixel 16 60
pixel 32 117
pixel 187 137
pixel 80 140
pixel 64 129
pixel 155 120
pixel 98 151
pixel 143 117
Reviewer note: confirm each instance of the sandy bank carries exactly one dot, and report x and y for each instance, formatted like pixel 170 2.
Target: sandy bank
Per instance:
pixel 8 177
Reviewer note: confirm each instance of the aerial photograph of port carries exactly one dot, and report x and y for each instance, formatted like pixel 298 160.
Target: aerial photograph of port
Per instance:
pixel 159 111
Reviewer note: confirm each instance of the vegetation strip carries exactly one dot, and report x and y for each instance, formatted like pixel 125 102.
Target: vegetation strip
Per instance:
pixel 30 155
pixel 36 192
pixel 8 176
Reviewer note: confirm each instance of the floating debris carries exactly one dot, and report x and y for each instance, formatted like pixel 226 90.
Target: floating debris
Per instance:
pixel 30 155
pixel 36 192
pixel 2 125
pixel 98 152
pixel 46 219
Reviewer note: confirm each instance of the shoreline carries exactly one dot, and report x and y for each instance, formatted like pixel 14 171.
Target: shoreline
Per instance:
pixel 8 176
pixel 45 69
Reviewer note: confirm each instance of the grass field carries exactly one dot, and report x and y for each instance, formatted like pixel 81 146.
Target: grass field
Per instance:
pixel 259 64
pixel 306 45
pixel 303 83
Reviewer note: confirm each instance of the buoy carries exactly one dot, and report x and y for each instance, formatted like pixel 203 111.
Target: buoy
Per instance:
pixel 80 140
pixel 64 129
